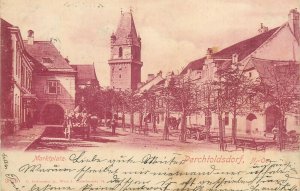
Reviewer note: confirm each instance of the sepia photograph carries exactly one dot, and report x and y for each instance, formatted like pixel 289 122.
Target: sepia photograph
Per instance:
pixel 195 82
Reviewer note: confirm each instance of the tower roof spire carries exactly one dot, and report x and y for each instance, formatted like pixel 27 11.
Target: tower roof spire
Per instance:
pixel 126 29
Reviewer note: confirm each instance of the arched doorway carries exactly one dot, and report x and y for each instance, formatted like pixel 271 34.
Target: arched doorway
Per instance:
pixel 53 114
pixel 273 115
pixel 249 120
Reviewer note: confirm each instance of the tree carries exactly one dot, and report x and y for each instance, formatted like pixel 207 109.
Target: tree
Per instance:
pixel 88 98
pixel 279 86
pixel 148 98
pixel 131 105
pixel 205 102
pixel 238 90
pixel 183 99
pixel 106 102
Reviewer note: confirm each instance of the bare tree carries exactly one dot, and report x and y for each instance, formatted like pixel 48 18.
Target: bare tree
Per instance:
pixel 279 86
pixel 238 91
pixel 184 99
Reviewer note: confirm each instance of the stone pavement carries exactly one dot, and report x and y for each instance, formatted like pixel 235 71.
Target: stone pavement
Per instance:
pixel 22 138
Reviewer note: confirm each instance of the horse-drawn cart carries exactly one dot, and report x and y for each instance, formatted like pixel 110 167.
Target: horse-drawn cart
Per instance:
pixel 77 123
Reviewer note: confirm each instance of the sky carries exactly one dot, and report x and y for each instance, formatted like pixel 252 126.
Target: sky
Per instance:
pixel 173 32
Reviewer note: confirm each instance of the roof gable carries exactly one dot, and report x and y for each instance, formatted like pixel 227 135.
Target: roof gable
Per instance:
pixel 45 53
pixel 243 49
pixel 246 47
pixel 85 73
pixel 4 23
pixel 194 65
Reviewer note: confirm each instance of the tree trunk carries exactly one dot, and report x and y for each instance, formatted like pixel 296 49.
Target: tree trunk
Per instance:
pixel 234 127
pixel 221 132
pixel 123 120
pixel 183 127
pixel 131 121
pixel 141 122
pixel 208 121
pixel 154 123
pixel 281 132
pixel 105 117
pixel 166 129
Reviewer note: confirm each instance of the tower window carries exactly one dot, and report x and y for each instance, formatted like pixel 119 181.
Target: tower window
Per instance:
pixel 120 76
pixel 120 52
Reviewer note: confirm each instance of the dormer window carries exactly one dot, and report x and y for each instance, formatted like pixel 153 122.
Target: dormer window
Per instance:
pixel 47 60
pixel 120 52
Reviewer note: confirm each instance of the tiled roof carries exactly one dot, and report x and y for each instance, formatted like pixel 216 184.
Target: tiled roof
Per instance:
pixel 284 75
pixel 85 73
pixel 246 47
pixel 149 84
pixel 194 65
pixel 45 53
pixel 126 28
pixel 266 68
pixel 243 49
pixel 4 23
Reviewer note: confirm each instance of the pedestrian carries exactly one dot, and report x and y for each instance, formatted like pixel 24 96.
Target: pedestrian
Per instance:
pixel 178 123
pixel 29 121
pixel 275 132
pixel 94 122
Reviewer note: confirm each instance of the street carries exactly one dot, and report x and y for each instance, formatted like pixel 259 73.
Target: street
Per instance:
pixel 53 139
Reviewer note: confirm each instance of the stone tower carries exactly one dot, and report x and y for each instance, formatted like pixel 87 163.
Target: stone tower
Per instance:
pixel 125 62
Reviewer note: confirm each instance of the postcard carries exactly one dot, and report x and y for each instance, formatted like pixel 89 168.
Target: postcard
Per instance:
pixel 163 95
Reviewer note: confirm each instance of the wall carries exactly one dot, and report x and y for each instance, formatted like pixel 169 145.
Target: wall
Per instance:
pixel 66 98
pixel 283 46
pixel 120 75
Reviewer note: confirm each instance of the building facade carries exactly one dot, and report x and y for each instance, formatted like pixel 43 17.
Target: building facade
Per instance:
pixel 17 100
pixel 125 62
pixel 53 81
pixel 278 46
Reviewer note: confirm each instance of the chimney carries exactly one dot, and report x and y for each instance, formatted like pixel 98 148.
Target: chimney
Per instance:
pixel 159 73
pixel 263 28
pixel 294 23
pixel 209 53
pixel 235 58
pixel 30 37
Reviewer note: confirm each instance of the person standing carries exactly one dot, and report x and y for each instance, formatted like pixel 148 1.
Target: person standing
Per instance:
pixel 29 120
pixel 94 122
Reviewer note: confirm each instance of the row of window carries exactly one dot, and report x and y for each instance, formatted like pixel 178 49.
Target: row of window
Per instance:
pixel 26 78
pixel 21 71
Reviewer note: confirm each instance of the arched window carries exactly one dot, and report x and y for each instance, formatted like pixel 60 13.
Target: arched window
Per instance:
pixel 120 52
